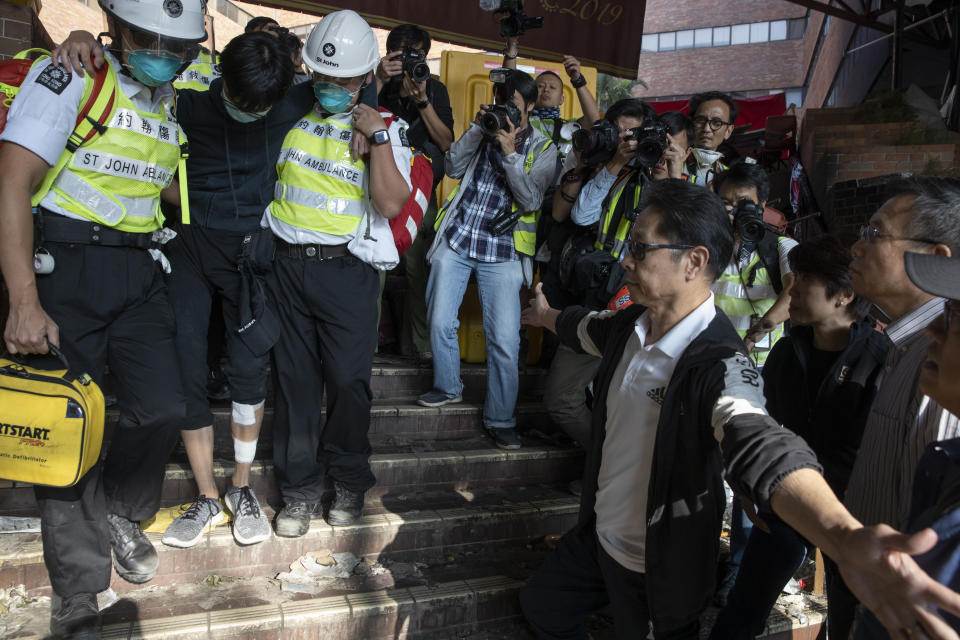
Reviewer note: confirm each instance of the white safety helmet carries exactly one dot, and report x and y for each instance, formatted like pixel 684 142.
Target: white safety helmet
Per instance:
pixel 342 45
pixel 181 20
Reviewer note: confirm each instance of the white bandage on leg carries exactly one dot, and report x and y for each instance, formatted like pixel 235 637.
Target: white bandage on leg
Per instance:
pixel 245 415
pixel 244 452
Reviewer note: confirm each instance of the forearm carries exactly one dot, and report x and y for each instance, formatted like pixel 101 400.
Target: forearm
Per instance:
pixel 527 188
pixel 171 194
pixel 458 156
pixel 780 311
pixel 388 189
pixel 586 210
pixel 591 112
pixel 16 243
pixel 805 502
pixel 510 53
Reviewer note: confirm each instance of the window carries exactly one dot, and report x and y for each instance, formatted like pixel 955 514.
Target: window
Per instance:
pixel 778 30
pixel 701 37
pixel 668 41
pixel 685 39
pixel 721 36
pixel 759 32
pixel 796 28
pixel 649 42
pixel 740 34
pixel 795 96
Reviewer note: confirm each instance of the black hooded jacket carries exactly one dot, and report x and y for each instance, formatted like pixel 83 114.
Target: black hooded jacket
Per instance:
pixel 832 423
pixel 231 170
pixel 686 500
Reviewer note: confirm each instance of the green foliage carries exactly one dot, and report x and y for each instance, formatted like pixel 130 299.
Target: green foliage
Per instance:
pixel 934 168
pixel 611 89
pixel 886 106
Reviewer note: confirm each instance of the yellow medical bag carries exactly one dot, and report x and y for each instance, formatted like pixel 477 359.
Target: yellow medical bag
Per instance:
pixel 51 424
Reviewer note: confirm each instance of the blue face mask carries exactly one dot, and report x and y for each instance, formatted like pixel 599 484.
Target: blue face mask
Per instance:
pixel 242 116
pixel 154 69
pixel 332 97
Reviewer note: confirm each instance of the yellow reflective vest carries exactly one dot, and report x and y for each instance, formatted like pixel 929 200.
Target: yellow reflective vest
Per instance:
pixel 744 304
pixel 117 177
pixel 320 187
pixel 201 72
pixel 617 238
pixel 525 231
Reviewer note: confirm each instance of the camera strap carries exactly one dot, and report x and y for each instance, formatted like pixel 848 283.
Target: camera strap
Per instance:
pixel 623 205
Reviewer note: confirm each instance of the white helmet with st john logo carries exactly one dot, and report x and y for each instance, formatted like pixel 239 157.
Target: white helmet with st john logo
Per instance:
pixel 342 45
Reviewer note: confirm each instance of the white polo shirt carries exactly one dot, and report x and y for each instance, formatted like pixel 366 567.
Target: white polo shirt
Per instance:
pixel 636 394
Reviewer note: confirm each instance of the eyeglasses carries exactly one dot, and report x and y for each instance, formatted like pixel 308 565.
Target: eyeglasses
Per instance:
pixel 951 314
pixel 870 234
pixel 715 123
pixel 639 249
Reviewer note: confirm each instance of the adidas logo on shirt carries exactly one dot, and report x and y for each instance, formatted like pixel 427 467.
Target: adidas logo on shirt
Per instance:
pixel 657 395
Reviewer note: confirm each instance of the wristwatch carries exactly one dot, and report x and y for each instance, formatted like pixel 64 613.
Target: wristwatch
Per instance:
pixel 579 82
pixel 379 137
pixel 423 105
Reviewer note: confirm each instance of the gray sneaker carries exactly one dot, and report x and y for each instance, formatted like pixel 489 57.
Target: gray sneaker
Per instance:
pixel 188 528
pixel 250 524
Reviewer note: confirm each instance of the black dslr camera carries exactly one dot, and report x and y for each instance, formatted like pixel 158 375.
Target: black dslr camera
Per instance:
pixel 415 64
pixel 598 144
pixel 503 111
pixel 516 22
pixel 748 222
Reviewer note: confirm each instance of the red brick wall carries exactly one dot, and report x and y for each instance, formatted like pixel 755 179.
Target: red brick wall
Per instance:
pixel 831 54
pixel 745 67
pixel 20 29
pixel 672 15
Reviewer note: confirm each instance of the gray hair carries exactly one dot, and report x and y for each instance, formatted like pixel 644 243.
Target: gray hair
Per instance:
pixel 935 214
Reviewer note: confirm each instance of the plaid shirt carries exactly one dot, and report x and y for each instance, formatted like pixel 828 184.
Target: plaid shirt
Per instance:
pixel 484 198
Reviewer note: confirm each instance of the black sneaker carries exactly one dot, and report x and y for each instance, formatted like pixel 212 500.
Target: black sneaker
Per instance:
pixel 346 507
pixel 505 438
pixel 75 617
pixel 133 556
pixel 294 519
pixel 217 386
pixel 434 398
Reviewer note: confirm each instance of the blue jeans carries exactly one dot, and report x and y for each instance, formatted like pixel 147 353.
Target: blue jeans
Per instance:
pixel 499 284
pixel 769 561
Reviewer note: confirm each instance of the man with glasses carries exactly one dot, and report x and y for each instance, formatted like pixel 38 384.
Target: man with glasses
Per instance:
pixel 923 217
pixel 713 114
pixel 678 404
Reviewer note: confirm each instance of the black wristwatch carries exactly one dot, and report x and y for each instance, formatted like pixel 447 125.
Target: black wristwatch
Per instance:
pixel 379 137
pixel 579 82
pixel 423 105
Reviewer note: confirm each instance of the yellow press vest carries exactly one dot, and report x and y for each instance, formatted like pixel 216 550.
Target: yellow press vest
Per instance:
pixel 201 72
pixel 320 187
pixel 525 231
pixel 546 126
pixel 744 304
pixel 116 179
pixel 622 232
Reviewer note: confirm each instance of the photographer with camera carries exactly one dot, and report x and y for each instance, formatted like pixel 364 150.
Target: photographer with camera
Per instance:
pixel 406 88
pixel 488 227
pixel 713 114
pixel 680 136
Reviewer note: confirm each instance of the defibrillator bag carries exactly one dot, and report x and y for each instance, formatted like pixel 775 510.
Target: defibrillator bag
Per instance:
pixel 51 423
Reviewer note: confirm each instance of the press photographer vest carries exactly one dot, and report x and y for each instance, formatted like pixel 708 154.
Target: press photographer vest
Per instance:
pixel 116 179
pixel 525 231
pixel 201 72
pixel 320 187
pixel 553 129
pixel 611 239
pixel 743 303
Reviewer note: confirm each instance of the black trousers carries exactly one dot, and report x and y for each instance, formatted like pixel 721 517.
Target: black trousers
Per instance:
pixel 328 316
pixel 204 265
pixel 111 307
pixel 578 578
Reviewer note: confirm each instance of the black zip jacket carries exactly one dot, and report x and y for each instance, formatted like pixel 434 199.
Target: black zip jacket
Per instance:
pixel 832 423
pixel 714 394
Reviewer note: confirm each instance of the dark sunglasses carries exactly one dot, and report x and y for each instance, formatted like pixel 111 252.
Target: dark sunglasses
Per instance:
pixel 639 249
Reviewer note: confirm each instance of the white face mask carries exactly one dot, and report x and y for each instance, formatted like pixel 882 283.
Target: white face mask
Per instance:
pixel 706 157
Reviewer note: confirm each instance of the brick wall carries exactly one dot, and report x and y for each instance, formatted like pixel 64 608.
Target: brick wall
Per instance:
pixel 20 29
pixel 831 54
pixel 852 202
pixel 746 67
pixel 671 15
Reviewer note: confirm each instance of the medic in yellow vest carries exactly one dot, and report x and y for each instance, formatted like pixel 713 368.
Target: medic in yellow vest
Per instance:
pixel 100 297
pixel 330 218
pixel 203 70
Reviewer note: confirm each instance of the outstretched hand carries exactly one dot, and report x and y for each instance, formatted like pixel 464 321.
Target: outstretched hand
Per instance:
pixel 876 564
pixel 538 312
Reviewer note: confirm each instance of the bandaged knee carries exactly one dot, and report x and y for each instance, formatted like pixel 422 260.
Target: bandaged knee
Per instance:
pixel 244 452
pixel 245 415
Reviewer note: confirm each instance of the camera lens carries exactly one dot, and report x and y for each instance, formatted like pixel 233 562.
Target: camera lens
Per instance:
pixel 490 123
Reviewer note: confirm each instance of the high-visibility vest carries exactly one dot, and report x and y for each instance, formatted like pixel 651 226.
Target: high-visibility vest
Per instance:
pixel 525 231
pixel 116 179
pixel 320 187
pixel 546 127
pixel 204 69
pixel 743 304
pixel 622 232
